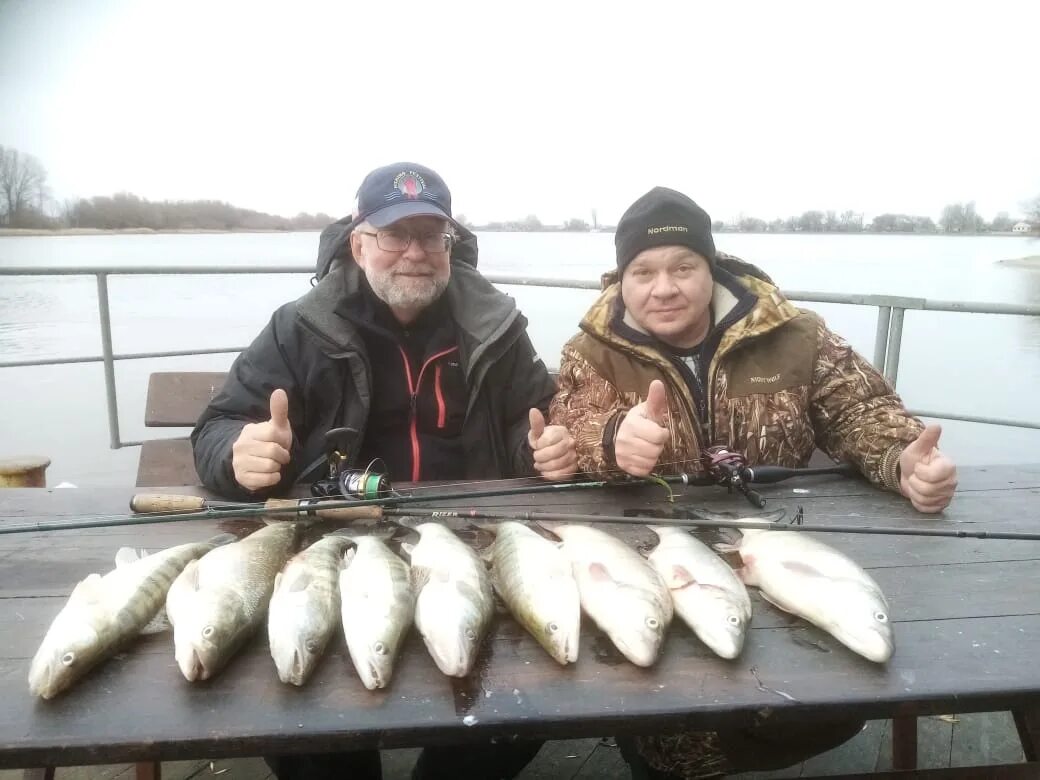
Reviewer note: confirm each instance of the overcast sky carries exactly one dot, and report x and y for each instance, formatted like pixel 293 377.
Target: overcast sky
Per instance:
pixel 551 108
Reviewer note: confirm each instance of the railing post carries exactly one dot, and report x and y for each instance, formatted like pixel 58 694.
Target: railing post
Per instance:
pixel 106 355
pixel 884 316
pixel 895 340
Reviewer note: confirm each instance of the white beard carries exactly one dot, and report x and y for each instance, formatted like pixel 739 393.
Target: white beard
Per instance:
pixel 404 292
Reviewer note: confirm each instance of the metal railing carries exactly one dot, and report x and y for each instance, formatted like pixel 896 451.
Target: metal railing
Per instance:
pixel 887 341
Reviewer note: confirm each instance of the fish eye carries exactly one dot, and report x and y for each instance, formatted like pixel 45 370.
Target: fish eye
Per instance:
pixel 652 622
pixel 880 617
pixel 311 645
pixel 207 632
pixel 553 628
pixel 471 635
pixel 380 648
pixel 733 620
pixel 68 659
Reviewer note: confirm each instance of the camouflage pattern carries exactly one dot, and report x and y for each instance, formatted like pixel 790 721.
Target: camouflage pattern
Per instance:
pixel 779 385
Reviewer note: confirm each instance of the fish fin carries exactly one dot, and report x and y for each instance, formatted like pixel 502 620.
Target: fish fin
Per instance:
pixel 157 624
pixel 348 557
pixel 384 533
pixel 420 576
pixel 550 526
pixel 88 589
pixel 221 539
pixel 191 575
pixel 774 602
pixel 680 577
pixel 600 573
pixel 127 555
pixel 477 537
pixel 775 516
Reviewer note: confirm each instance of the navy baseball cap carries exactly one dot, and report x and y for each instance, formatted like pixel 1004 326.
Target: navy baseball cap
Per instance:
pixel 402 190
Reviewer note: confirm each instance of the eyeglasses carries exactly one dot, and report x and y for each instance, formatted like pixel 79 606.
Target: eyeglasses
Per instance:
pixel 394 240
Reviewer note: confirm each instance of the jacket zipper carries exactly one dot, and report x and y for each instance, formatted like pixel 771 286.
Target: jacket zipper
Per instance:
pixel 442 412
pixel 413 391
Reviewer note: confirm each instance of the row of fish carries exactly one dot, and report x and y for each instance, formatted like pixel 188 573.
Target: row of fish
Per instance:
pixel 217 594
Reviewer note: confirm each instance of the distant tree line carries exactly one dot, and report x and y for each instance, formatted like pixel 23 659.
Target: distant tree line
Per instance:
pixel 25 203
pixel 531 224
pixel 956 218
pixel 125 210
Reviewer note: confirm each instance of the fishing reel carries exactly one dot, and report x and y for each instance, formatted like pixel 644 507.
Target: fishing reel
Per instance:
pixel 730 469
pixel 366 484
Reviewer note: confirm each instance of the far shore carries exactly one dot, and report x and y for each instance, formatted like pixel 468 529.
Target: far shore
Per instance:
pixel 1033 261
pixel 11 232
pixel 15 232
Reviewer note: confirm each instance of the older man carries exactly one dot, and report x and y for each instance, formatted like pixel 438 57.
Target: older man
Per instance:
pixel 405 342
pixel 401 342
pixel 693 348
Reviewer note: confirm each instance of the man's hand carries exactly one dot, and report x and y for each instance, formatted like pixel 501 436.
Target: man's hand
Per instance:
pixel 261 449
pixel 926 476
pixel 554 455
pixel 641 436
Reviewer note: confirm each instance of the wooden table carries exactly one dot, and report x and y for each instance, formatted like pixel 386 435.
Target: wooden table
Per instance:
pixel 966 614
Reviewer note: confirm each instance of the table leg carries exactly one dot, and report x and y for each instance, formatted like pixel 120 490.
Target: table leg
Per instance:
pixel 148 770
pixel 1027 720
pixel 904 742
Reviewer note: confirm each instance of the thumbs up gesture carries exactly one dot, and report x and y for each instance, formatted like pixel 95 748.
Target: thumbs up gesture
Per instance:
pixel 555 457
pixel 261 449
pixel 642 434
pixel 926 476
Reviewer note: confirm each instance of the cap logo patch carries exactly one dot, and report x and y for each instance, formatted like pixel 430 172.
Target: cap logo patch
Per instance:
pixel 408 185
pixel 667 229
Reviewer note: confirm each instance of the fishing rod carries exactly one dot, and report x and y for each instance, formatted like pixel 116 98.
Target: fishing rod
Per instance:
pixel 727 470
pixel 692 518
pixel 172 508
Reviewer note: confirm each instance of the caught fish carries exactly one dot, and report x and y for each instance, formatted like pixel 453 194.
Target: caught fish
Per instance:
pixel 620 591
pixel 453 598
pixel 219 601
pixel 535 580
pixel 807 578
pixel 378 608
pixel 305 608
pixel 706 592
pixel 105 612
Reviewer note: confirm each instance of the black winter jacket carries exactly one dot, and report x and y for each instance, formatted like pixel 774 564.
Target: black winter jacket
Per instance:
pixel 319 358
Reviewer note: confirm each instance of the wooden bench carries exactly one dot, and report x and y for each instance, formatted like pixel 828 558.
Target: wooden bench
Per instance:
pixel 175 400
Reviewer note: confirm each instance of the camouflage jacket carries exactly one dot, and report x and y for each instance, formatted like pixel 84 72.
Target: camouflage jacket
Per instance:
pixel 778 385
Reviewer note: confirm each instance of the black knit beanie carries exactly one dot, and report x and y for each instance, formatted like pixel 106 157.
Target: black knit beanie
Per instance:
pixel 663 217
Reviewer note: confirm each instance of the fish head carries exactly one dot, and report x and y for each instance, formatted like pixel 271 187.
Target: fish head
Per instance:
pixel 560 637
pixel 454 638
pixel 638 628
pixel 863 624
pixel 722 621
pixel 207 636
pixel 298 632
pixel 552 614
pixel 373 649
pixel 70 648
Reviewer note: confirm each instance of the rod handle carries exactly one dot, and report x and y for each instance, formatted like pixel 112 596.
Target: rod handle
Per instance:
pixel 149 503
pixel 341 513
